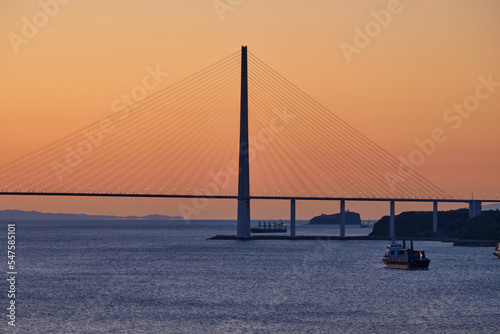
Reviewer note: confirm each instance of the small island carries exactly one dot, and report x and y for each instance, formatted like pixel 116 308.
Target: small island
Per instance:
pixel 351 218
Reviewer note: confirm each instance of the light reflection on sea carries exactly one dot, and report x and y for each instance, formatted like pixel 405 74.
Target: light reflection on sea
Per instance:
pixel 165 277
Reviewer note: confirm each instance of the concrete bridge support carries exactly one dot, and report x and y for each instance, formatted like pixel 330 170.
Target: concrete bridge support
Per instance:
pixel 292 218
pixel 474 208
pixel 392 222
pixel 342 218
pixel 435 217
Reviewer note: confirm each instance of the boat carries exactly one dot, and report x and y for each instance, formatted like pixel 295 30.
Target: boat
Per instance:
pixel 269 227
pixel 497 250
pixel 399 257
pixel 366 223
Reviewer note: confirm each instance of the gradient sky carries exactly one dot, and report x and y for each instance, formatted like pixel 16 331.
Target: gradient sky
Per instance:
pixel 396 89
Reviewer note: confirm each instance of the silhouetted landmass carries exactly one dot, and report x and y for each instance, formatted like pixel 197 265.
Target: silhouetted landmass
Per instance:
pixel 488 207
pixel 35 215
pixel 351 218
pixel 453 224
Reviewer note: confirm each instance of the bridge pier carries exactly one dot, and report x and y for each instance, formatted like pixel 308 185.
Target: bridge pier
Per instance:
pixel 292 218
pixel 474 208
pixel 435 217
pixel 392 222
pixel 342 218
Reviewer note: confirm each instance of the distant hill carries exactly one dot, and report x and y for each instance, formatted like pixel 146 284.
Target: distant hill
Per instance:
pixel 451 224
pixel 35 215
pixel 351 218
pixel 491 207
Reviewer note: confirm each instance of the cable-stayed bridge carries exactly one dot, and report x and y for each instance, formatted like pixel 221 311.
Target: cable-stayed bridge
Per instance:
pixel 235 130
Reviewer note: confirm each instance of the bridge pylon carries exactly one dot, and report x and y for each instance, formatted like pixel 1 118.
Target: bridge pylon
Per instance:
pixel 243 229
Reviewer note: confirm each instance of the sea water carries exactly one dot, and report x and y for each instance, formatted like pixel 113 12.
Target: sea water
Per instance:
pixel 166 277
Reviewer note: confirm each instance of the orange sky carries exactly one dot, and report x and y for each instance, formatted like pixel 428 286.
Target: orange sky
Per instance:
pixel 421 61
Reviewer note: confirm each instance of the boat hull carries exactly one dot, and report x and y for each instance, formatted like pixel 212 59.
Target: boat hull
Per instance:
pixel 414 265
pixel 497 254
pixel 261 230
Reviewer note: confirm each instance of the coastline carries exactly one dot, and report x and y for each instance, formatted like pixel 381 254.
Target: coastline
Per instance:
pixel 456 242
